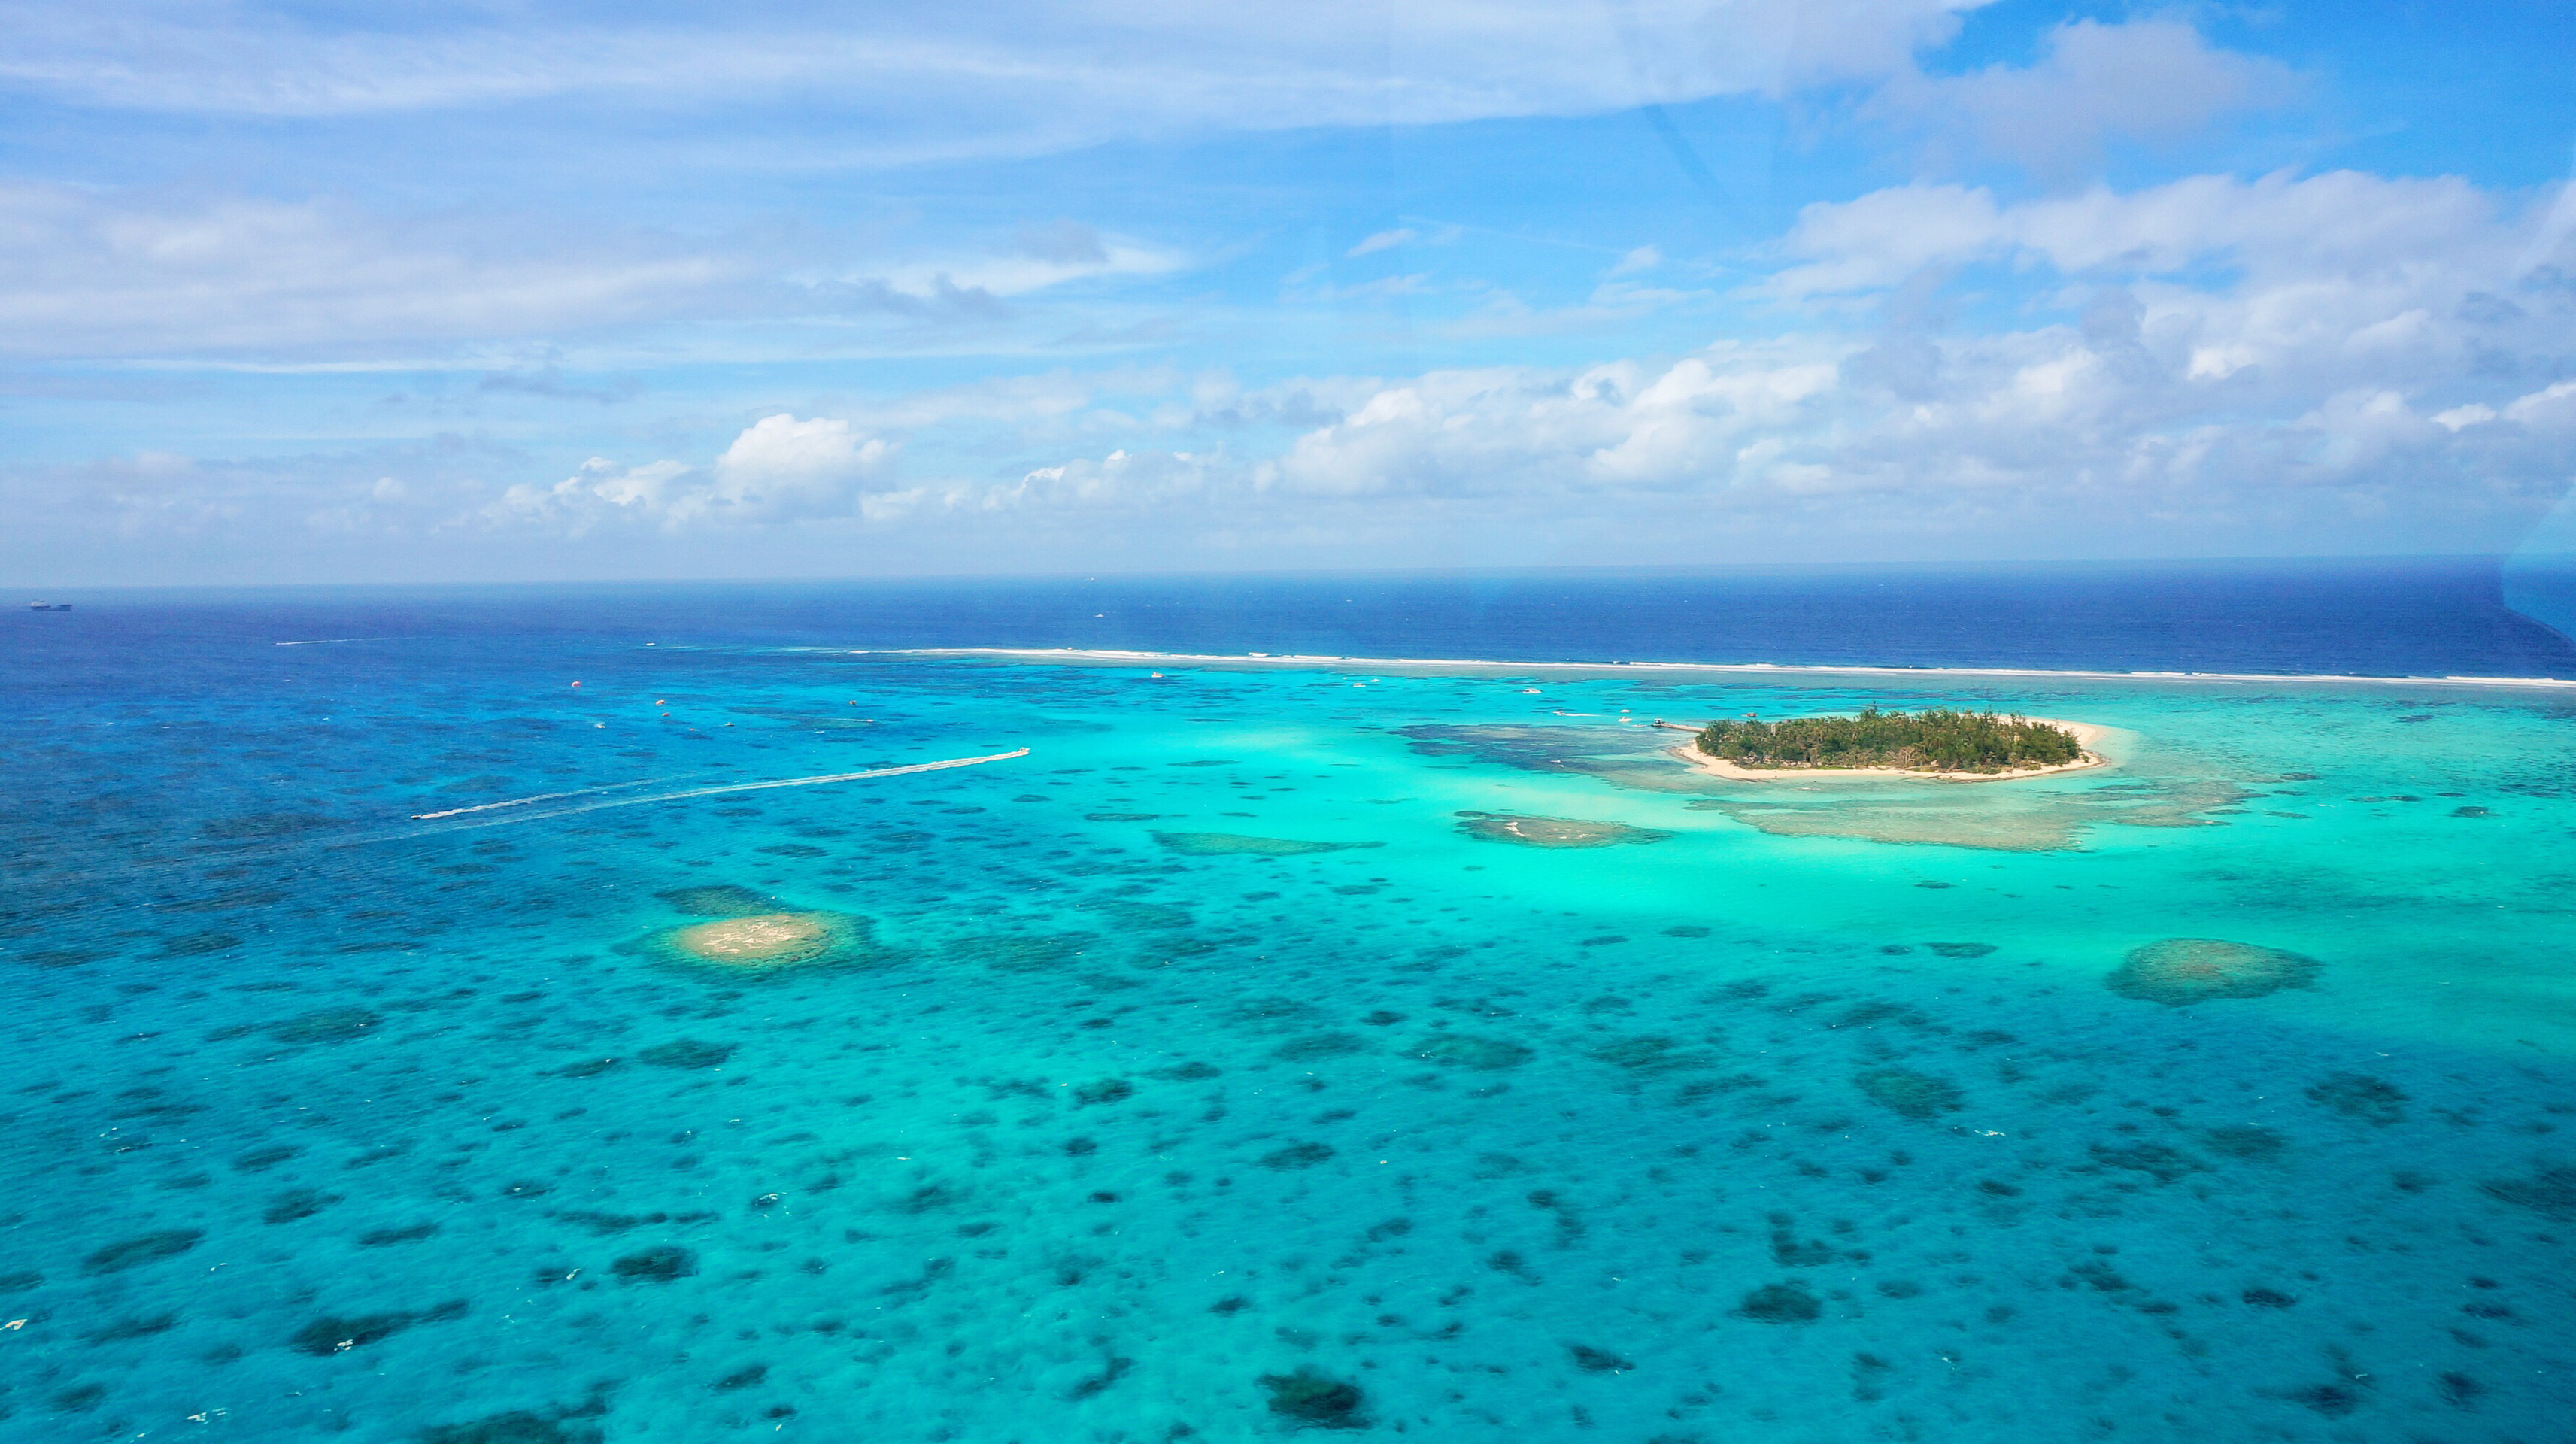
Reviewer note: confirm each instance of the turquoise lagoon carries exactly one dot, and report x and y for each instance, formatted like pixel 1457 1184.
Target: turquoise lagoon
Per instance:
pixel 1797 1110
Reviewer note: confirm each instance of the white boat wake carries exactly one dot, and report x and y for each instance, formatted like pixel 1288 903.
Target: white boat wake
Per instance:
pixel 715 791
pixel 527 801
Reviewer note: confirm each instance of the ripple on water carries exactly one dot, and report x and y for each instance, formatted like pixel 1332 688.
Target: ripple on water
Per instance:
pixel 1232 844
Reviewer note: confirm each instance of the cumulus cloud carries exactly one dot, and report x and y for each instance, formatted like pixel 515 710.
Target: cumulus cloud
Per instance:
pixel 1122 479
pixel 2230 348
pixel 600 491
pixel 778 470
pixel 2214 356
pixel 2296 285
pixel 782 469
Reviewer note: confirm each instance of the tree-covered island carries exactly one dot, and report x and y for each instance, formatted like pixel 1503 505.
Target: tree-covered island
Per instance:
pixel 1936 739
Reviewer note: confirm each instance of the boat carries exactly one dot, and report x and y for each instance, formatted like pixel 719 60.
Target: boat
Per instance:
pixel 49 606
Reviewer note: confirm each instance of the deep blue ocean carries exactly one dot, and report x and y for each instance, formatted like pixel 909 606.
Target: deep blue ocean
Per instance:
pixel 1289 1045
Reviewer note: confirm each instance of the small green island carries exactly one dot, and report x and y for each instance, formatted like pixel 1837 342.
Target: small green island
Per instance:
pixel 1937 740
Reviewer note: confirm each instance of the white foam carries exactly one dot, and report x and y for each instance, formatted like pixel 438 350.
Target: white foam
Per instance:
pixel 1294 661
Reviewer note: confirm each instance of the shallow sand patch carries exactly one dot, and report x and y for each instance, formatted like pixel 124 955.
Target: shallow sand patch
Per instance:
pixel 763 938
pixel 1554 832
pixel 769 940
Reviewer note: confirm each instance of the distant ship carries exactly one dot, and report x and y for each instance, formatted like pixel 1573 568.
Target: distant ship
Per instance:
pixel 49 606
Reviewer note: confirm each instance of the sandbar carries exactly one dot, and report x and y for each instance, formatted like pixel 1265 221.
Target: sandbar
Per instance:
pixel 763 939
pixel 1598 671
pixel 2087 735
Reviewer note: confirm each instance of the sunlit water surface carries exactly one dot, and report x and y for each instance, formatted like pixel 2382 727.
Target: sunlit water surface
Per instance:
pixel 1208 1072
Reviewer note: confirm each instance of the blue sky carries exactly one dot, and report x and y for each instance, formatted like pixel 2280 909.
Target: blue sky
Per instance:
pixel 489 291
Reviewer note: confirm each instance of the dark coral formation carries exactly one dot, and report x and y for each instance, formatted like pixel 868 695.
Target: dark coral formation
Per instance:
pixel 1312 1400
pixel 2357 1095
pixel 517 1426
pixel 167 1243
pixel 327 1025
pixel 2181 971
pixel 1457 1050
pixel 332 1334
pixel 1784 1303
pixel 335 1335
pixel 716 900
pixel 2245 1140
pixel 1597 1361
pixel 1903 1091
pixel 1318 1045
pixel 1230 844
pixel 2550 1192
pixel 688 1053
pixel 658 1265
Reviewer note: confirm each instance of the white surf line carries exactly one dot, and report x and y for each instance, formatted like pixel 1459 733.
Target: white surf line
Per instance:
pixel 1294 661
pixel 525 801
pixel 323 641
pixel 755 787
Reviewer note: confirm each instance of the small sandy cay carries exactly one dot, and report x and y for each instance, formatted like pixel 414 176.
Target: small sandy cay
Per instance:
pixel 2181 971
pixel 1553 831
pixel 2087 735
pixel 764 939
pixel 748 932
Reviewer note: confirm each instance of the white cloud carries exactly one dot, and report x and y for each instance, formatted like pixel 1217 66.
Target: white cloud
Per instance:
pixel 85 274
pixel 2340 342
pixel 600 491
pixel 1022 271
pixel 1643 258
pixel 2342 222
pixel 1007 77
pixel 779 469
pixel 1122 479
pixel 96 274
pixel 1383 240
pixel 783 469
pixel 2153 80
pixel 2212 357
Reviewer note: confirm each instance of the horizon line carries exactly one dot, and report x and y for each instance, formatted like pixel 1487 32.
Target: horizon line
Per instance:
pixel 2496 558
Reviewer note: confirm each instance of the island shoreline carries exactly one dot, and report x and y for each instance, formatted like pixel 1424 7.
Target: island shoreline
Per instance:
pixel 2088 735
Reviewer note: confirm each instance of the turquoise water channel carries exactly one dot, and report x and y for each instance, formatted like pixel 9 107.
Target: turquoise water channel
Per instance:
pixel 1217 1070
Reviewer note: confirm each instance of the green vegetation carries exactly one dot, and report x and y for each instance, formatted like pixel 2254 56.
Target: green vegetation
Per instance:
pixel 1933 740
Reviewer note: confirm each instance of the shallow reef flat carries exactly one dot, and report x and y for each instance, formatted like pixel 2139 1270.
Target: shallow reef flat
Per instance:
pixel 1553 832
pixel 1263 1057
